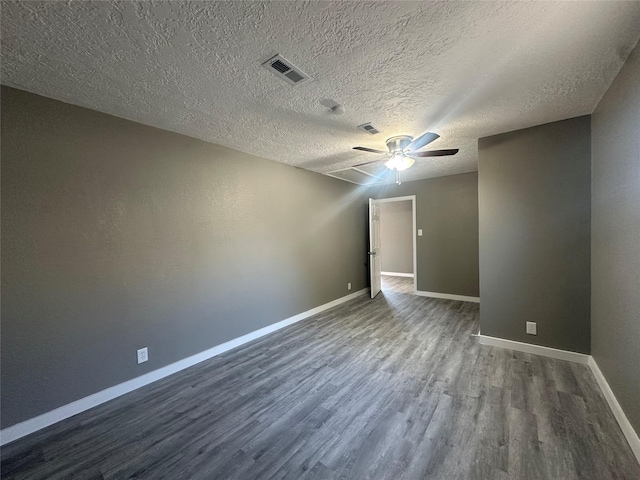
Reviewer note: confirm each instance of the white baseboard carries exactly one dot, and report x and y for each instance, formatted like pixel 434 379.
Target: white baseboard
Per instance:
pixel 628 431
pixel 448 296
pixel 626 427
pixel 397 274
pixel 535 349
pixel 21 429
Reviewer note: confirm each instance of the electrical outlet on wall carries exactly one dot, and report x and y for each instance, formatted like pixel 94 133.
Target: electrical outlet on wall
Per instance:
pixel 349 286
pixel 532 328
pixel 143 355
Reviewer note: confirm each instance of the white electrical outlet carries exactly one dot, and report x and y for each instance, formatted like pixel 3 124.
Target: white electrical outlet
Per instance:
pixel 532 328
pixel 143 355
pixel 348 286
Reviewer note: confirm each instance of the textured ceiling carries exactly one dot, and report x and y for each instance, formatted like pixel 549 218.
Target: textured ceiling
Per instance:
pixel 462 69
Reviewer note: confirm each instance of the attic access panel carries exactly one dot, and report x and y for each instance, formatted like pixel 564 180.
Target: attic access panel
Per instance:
pixel 356 176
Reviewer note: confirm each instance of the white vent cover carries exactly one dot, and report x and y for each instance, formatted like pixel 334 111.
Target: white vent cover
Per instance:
pixel 367 127
pixel 285 70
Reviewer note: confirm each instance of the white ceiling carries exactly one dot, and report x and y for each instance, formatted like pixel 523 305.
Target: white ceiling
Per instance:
pixel 462 69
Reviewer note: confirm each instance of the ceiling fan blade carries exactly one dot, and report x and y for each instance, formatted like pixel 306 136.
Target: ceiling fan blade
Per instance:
pixel 365 149
pixel 434 153
pixel 422 141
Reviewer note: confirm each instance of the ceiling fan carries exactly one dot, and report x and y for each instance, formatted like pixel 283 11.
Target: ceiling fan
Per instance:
pixel 403 151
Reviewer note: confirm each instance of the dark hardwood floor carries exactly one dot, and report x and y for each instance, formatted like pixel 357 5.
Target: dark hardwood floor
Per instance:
pixel 391 388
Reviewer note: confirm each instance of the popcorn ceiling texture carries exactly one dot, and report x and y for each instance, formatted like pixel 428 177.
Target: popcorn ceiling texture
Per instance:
pixel 462 69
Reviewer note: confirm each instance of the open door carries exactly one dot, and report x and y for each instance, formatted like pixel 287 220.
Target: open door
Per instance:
pixel 375 264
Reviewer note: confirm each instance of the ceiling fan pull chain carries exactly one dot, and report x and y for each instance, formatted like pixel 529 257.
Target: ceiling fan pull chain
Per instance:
pixel 398 182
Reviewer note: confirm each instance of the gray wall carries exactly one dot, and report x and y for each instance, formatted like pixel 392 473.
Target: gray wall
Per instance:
pixel 447 213
pixel 615 237
pixel 534 190
pixel 396 237
pixel 116 236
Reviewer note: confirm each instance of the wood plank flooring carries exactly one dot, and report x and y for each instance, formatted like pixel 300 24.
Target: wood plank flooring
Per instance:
pixel 391 388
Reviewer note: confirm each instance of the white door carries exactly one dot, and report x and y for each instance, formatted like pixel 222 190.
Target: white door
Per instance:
pixel 375 264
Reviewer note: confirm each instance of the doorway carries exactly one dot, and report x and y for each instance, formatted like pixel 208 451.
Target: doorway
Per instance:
pixel 397 244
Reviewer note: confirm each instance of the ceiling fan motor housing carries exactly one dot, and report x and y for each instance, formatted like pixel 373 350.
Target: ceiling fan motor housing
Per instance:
pixel 398 143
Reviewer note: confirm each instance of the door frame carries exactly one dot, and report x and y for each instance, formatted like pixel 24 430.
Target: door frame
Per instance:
pixel 412 198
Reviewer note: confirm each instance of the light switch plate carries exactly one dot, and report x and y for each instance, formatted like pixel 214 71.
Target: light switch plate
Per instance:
pixel 419 232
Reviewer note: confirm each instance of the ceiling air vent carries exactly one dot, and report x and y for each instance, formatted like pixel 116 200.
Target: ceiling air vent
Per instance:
pixel 367 127
pixel 285 70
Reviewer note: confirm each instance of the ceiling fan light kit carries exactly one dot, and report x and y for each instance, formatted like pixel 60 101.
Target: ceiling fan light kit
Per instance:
pixel 399 161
